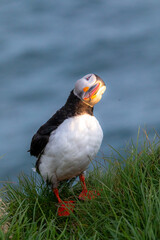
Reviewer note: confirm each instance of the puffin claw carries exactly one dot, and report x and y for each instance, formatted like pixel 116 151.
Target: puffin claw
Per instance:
pixel 88 195
pixel 65 208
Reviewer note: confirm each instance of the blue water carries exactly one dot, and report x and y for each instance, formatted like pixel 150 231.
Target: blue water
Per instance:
pixel 45 46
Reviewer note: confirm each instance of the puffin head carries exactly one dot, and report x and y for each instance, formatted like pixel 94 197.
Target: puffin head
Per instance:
pixel 90 89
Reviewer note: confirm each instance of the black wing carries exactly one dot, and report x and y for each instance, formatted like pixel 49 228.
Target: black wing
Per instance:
pixel 40 139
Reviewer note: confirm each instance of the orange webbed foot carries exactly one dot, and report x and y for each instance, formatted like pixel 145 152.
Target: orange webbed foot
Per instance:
pixel 88 195
pixel 66 208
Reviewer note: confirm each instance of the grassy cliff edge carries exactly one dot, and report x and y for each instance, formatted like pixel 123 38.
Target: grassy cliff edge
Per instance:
pixel 128 206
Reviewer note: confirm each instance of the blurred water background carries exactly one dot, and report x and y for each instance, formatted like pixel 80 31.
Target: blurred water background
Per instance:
pixel 45 46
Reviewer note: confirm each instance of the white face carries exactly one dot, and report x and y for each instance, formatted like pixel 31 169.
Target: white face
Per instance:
pixel 90 89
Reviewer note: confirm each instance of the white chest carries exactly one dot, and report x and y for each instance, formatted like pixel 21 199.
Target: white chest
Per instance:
pixel 72 145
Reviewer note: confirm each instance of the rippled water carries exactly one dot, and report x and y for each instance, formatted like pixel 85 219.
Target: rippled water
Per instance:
pixel 45 46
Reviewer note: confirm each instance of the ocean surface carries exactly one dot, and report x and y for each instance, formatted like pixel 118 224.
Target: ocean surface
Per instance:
pixel 45 46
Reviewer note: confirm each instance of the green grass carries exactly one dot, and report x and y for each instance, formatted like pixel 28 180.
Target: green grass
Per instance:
pixel 128 207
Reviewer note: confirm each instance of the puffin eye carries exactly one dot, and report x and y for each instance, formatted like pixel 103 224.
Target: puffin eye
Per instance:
pixel 87 78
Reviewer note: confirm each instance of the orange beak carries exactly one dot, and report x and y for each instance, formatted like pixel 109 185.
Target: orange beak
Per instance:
pixel 91 91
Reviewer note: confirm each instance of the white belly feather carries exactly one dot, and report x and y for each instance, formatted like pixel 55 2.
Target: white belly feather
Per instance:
pixel 71 147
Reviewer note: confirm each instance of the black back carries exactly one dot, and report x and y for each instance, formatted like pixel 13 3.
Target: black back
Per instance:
pixel 73 107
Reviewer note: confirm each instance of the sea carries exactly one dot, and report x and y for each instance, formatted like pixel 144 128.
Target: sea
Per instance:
pixel 45 46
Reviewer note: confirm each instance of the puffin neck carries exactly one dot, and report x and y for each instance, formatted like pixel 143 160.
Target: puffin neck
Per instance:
pixel 77 106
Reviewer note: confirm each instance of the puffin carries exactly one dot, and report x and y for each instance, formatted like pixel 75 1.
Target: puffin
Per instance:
pixel 66 144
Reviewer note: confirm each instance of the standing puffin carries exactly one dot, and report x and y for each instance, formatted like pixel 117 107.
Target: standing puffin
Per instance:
pixel 70 139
